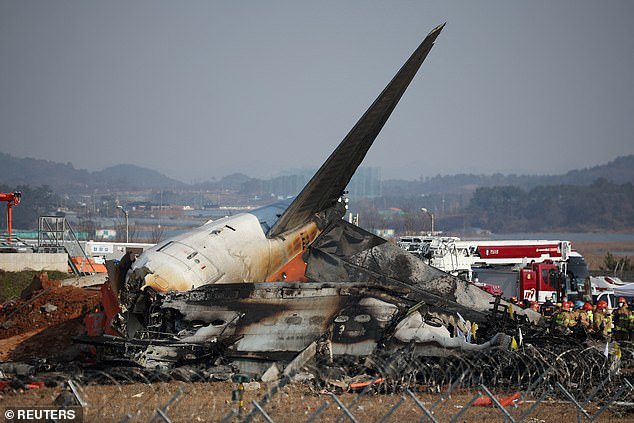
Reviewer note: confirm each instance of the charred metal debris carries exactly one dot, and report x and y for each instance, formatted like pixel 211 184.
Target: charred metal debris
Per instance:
pixel 393 318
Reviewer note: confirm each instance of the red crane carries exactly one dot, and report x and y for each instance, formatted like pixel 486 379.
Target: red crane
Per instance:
pixel 12 199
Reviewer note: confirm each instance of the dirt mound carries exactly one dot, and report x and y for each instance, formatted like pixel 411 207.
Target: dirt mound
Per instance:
pixel 45 318
pixel 40 282
pixel 35 313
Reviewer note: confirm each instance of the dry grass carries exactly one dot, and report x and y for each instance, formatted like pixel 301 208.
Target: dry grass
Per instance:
pixel 12 283
pixel 595 251
pixel 210 402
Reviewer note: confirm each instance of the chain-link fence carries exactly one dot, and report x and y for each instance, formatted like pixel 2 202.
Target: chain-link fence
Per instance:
pixel 529 384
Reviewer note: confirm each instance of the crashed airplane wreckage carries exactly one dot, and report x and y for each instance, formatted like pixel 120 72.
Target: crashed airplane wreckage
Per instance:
pixel 266 285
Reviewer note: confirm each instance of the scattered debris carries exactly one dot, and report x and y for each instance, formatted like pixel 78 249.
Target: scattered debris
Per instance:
pixel 251 386
pixel 48 308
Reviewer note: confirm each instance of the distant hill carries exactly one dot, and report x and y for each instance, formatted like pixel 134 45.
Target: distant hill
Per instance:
pixel 619 171
pixel 124 177
pixel 65 179
pixel 36 172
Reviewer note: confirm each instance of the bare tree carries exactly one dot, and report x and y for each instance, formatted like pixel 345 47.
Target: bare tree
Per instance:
pixel 157 234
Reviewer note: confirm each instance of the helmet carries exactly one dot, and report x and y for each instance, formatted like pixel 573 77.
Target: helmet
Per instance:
pixel 514 299
pixel 578 304
pixel 566 305
pixel 587 306
pixel 602 305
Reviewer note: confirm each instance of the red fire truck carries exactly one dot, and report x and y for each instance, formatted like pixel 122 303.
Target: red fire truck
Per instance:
pixel 540 281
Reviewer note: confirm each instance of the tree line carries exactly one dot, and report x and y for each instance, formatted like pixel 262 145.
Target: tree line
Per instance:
pixel 602 205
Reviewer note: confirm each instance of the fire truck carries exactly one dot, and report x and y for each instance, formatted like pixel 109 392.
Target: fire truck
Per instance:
pixel 531 269
pixel 554 279
pixel 541 281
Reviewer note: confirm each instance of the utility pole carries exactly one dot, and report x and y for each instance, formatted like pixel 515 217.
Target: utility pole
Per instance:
pixel 127 227
pixel 431 217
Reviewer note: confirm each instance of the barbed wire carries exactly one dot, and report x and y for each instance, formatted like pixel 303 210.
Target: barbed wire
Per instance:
pixel 386 382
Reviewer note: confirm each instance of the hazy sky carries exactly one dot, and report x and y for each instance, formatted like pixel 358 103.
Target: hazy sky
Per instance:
pixel 201 89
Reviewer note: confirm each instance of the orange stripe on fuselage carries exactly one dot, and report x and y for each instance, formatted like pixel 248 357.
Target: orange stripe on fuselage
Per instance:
pixel 293 271
pixel 289 264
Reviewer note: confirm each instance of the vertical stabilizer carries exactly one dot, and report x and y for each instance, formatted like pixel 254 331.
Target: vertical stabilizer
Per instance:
pixel 328 184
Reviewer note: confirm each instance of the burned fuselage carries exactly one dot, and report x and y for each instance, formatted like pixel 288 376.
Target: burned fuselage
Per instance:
pixel 380 297
pixel 229 250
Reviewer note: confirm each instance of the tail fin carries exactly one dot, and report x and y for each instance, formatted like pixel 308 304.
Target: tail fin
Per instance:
pixel 328 184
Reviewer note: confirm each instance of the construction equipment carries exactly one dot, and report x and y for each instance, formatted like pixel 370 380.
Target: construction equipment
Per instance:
pixel 12 199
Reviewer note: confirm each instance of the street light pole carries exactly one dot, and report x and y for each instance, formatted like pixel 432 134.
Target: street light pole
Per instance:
pixel 127 226
pixel 431 217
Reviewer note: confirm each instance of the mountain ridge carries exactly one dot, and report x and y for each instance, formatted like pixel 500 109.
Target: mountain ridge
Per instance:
pixel 65 178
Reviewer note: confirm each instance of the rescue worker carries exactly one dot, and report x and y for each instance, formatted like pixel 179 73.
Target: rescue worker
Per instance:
pixel 586 317
pixel 563 317
pixel 548 309
pixel 535 306
pixel 575 315
pixel 513 299
pixel 622 321
pixel 602 320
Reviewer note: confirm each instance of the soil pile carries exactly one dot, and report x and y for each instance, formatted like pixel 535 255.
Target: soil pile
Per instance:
pixel 42 322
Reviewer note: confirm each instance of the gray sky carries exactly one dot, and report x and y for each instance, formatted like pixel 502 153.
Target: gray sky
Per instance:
pixel 201 89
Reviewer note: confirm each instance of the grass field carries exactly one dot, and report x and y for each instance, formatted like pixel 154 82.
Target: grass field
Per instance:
pixel 595 251
pixel 12 283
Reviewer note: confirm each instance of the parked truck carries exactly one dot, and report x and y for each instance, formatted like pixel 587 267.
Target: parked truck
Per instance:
pixel 531 269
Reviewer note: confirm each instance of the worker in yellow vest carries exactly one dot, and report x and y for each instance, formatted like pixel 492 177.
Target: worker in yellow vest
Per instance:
pixel 622 320
pixel 602 321
pixel 586 317
pixel 564 317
